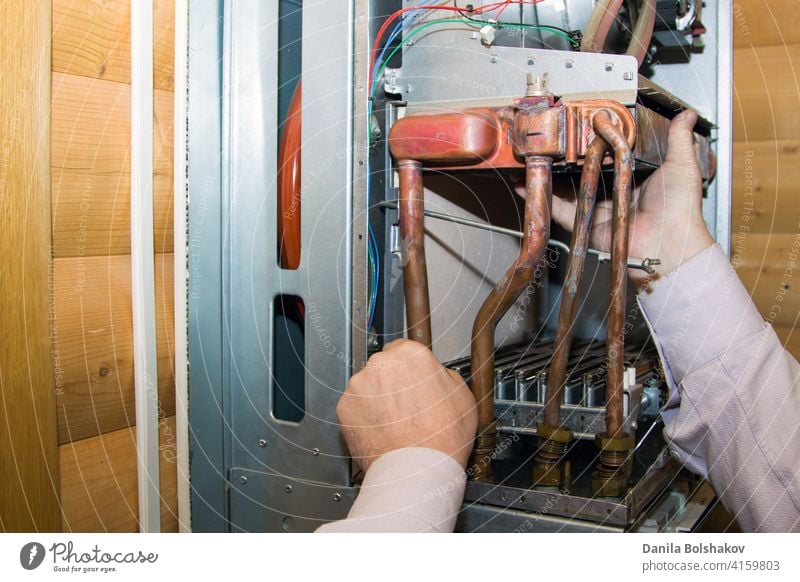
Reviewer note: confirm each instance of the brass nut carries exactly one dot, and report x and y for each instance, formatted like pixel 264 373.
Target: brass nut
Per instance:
pixel 554 433
pixel 621 445
pixel 480 465
pixel 615 486
pixel 546 475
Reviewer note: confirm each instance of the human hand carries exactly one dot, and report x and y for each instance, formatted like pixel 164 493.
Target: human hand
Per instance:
pixel 666 210
pixel 405 398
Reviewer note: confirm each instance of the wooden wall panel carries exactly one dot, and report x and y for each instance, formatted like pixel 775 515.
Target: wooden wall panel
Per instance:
pixel 765 22
pixel 766 165
pixel 99 482
pixel 91 38
pixel 766 93
pixel 769 266
pixel 91 167
pixel 28 448
pixel 766 181
pixel 94 343
pixel 790 336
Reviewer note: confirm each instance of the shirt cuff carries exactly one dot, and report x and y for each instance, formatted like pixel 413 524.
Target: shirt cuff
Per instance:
pixel 408 490
pixel 699 311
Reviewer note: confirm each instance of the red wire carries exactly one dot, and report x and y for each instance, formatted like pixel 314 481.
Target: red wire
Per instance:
pixel 479 10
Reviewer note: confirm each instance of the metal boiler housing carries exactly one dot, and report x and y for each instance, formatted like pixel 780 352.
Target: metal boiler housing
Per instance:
pixel 271 349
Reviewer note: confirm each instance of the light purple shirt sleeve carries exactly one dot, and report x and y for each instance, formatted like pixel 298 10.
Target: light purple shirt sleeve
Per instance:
pixel 733 413
pixel 408 490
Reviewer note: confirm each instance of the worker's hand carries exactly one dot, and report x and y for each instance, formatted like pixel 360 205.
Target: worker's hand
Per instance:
pixel 405 398
pixel 666 211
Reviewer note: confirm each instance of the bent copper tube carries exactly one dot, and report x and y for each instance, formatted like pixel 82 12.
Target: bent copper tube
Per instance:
pixel 615 345
pixel 600 22
pixel 569 293
pixel 412 234
pixel 539 188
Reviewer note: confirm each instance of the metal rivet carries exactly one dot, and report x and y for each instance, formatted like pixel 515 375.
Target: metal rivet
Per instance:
pixel 315 451
pixel 262 443
pixel 493 59
pixel 243 479
pixel 337 497
pixel 288 489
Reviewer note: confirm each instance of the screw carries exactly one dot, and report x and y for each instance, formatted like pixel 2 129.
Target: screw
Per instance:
pixel 493 59
pixel 288 489
pixel 243 479
pixel 262 443
pixel 104 371
pixel 315 452
pixel 337 497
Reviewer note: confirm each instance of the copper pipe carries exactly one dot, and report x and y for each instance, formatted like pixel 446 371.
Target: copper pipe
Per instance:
pixel 596 31
pixel 536 231
pixel 412 234
pixel 569 293
pixel 615 345
pixel 643 31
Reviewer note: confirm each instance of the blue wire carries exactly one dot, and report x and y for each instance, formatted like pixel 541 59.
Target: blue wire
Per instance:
pixel 373 254
pixel 373 250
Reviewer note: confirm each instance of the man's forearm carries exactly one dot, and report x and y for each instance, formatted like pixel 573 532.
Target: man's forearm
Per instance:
pixel 734 398
pixel 407 490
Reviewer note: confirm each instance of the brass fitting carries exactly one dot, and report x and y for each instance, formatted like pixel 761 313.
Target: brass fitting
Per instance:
pixel 618 445
pixel 614 486
pixel 610 479
pixel 480 461
pixel 550 469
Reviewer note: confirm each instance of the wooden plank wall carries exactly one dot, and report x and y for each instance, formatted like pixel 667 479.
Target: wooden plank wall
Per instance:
pixel 766 163
pixel 28 448
pixel 92 341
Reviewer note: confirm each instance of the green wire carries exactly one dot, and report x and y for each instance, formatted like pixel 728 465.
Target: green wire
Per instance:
pixel 552 29
pixel 399 46
pixel 422 27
